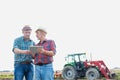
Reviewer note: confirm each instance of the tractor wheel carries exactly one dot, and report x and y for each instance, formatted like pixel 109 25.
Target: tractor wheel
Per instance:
pixel 92 74
pixel 69 73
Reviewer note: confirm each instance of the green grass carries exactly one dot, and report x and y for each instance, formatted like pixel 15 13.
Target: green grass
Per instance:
pixel 6 76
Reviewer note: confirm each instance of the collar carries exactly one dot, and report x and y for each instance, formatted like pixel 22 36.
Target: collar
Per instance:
pixel 24 39
pixel 43 41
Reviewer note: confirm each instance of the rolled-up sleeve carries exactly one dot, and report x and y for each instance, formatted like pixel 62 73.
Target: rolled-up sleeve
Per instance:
pixel 53 46
pixel 15 44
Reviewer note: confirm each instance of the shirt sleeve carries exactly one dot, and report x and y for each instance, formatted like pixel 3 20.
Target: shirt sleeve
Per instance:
pixel 53 46
pixel 15 44
pixel 34 43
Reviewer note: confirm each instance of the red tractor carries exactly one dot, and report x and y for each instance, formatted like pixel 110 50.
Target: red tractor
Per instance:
pixel 77 66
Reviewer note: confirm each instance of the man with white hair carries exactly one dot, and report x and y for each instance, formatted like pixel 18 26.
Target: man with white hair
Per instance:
pixel 44 58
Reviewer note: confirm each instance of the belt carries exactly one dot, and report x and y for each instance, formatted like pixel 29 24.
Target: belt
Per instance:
pixel 26 62
pixel 41 64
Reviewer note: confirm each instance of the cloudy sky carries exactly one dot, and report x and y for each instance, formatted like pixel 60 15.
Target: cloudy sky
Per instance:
pixel 89 26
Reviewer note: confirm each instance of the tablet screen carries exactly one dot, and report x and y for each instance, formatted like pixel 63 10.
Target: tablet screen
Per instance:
pixel 34 48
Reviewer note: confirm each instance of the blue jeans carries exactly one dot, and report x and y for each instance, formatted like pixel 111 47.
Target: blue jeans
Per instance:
pixel 23 70
pixel 44 72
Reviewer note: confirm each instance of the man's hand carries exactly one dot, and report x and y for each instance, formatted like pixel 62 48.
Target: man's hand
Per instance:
pixel 19 51
pixel 32 54
pixel 41 50
pixel 48 53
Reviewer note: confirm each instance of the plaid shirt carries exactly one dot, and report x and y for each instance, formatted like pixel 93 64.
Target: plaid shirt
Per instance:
pixel 22 44
pixel 48 45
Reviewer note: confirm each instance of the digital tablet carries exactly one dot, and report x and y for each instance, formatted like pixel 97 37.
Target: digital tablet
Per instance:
pixel 35 48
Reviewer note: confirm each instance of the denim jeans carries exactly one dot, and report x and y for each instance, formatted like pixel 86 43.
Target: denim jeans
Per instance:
pixel 44 72
pixel 23 70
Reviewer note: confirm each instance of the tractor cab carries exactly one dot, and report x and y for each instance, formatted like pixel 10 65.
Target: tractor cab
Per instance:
pixel 77 60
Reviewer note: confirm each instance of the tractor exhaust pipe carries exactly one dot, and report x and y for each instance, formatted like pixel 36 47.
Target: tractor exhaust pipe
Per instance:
pixel 90 56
